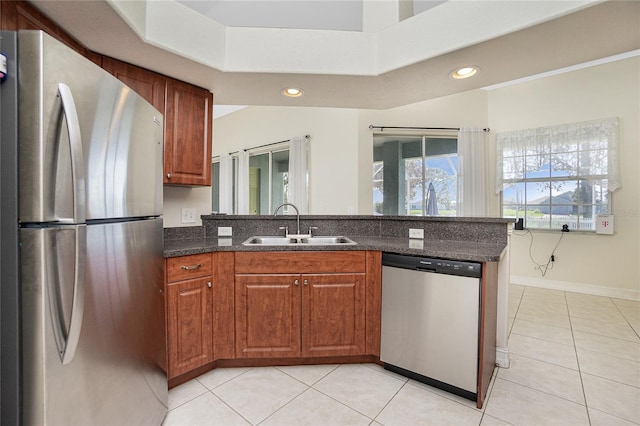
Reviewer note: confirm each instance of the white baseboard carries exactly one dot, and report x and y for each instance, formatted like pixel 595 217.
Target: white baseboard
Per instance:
pixel 502 357
pixel 618 293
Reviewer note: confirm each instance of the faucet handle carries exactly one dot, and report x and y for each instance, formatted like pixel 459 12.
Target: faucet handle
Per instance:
pixel 286 230
pixel 311 228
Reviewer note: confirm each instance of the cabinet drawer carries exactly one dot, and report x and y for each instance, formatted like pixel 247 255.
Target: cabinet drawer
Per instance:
pixel 187 267
pixel 300 262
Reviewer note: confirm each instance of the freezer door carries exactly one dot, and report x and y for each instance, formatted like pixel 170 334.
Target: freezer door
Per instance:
pixel 117 372
pixel 90 147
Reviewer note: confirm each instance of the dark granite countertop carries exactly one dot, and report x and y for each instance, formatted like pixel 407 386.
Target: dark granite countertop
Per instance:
pixel 446 249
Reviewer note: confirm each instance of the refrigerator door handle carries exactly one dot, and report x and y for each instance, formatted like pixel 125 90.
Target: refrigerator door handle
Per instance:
pixel 67 340
pixel 77 157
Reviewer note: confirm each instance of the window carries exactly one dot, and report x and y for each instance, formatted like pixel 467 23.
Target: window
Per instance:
pixel 558 175
pixel 415 175
pixel 267 184
pixel 268 179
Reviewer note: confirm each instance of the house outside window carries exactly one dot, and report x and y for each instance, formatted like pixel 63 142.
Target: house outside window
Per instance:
pixel 558 175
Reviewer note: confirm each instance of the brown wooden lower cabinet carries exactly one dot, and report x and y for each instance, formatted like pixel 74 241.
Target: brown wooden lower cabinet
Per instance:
pixel 189 313
pixel 267 316
pixel 189 319
pixel 293 315
pixel 333 314
pixel 269 308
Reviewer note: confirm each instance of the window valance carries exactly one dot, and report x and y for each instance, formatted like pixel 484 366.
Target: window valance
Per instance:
pixel 584 150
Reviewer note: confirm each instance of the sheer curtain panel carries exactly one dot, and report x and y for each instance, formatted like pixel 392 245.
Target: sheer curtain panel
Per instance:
pixel 243 182
pixel 226 184
pixel 298 176
pixel 472 188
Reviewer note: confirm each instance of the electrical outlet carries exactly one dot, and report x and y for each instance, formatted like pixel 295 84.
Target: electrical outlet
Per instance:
pixel 225 231
pixel 416 233
pixel 416 244
pixel 189 215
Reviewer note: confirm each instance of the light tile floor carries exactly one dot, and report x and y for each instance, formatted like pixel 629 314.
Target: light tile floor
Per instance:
pixel 575 360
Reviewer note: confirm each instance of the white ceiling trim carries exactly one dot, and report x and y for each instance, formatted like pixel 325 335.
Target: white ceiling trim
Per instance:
pixel 452 25
pixel 564 70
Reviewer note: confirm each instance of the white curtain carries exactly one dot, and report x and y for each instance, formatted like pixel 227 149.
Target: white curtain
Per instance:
pixel 472 192
pixel 226 184
pixel 593 140
pixel 243 182
pixel 298 174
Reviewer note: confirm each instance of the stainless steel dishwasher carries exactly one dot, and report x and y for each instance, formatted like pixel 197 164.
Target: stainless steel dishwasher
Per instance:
pixel 430 321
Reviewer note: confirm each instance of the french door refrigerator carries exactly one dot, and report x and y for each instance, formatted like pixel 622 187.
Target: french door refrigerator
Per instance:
pixel 82 314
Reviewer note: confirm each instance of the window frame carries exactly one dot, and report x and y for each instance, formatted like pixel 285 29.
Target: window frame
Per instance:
pixel 270 150
pixel 571 152
pixel 423 139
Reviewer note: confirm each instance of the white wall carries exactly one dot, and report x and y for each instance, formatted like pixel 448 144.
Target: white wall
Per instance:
pixel 599 264
pixel 464 109
pixel 177 197
pixel 333 153
pixel 341 155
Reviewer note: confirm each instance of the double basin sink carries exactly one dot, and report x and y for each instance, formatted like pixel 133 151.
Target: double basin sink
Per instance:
pixel 304 241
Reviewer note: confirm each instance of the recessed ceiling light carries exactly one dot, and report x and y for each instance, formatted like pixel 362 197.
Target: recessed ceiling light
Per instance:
pixel 292 92
pixel 465 72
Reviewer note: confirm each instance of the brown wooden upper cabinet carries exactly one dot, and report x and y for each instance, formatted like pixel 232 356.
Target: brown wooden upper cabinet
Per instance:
pixel 187 109
pixel 188 118
pixel 148 84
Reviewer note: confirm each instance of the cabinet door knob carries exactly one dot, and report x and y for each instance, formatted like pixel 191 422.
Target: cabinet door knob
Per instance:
pixel 209 284
pixel 168 175
pixel 306 282
pixel 296 282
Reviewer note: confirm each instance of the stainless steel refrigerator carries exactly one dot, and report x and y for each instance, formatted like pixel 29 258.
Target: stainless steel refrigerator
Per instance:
pixel 82 307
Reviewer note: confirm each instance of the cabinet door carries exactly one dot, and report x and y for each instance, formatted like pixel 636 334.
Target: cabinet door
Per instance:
pixel 333 314
pixel 187 138
pixel 267 315
pixel 22 15
pixel 189 323
pixel 146 83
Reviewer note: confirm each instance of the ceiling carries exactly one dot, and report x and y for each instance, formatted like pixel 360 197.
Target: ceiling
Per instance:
pixel 332 15
pixel 187 49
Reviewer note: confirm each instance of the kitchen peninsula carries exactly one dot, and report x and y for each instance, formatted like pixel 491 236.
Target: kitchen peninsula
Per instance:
pixel 473 239
pixel 231 304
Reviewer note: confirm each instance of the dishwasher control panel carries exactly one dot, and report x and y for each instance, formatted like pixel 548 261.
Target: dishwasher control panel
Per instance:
pixel 427 264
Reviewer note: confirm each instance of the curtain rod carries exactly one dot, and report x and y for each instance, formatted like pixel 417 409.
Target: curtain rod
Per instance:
pixel 263 146
pixel 371 126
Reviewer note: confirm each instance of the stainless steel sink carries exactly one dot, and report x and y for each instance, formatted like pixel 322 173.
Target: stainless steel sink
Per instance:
pixel 288 241
pixel 270 241
pixel 327 241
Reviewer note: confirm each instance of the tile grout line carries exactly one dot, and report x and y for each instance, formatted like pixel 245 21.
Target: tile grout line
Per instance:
pixel 288 402
pixel 230 407
pixel 575 348
pixel 389 402
pixel 625 317
pixel 222 400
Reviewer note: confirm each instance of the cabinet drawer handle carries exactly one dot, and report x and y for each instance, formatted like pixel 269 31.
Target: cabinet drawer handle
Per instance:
pixel 191 267
pixel 168 175
pixel 296 282
pixel 209 284
pixel 306 282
